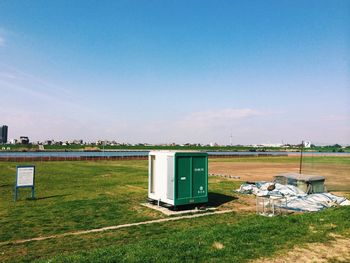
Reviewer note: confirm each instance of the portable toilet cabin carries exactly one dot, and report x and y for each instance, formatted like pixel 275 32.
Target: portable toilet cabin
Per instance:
pixel 178 178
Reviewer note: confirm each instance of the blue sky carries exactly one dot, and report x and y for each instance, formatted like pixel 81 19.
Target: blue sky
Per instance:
pixel 176 71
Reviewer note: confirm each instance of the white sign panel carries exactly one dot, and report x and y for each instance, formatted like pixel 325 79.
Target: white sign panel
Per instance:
pixel 307 144
pixel 25 176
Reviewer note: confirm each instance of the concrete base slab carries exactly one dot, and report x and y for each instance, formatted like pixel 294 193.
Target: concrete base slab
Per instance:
pixel 168 212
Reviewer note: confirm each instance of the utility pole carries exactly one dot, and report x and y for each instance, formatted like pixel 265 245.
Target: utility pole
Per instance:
pixel 104 153
pixel 301 156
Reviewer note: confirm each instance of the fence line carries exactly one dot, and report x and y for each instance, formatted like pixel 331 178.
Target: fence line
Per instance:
pixel 112 158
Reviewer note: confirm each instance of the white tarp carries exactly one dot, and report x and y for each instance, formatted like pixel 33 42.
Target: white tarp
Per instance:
pixel 296 198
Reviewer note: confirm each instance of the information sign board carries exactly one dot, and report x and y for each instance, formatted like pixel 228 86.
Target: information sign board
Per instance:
pixel 25 178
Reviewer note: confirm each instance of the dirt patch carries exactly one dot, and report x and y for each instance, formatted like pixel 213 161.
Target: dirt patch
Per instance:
pixel 242 203
pixel 337 250
pixel 337 176
pixel 92 149
pixel 251 171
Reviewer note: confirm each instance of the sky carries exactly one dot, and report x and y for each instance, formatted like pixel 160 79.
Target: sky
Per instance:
pixel 176 71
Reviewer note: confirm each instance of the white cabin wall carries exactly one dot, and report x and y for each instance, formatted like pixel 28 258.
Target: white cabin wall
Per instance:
pixel 160 176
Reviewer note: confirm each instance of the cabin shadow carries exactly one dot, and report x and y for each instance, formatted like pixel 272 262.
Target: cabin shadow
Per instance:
pixel 214 200
pixel 217 199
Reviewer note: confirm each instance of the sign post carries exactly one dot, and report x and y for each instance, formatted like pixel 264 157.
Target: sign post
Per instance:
pixel 25 178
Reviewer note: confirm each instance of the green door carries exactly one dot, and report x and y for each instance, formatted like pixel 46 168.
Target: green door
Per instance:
pixel 199 179
pixel 191 178
pixel 183 177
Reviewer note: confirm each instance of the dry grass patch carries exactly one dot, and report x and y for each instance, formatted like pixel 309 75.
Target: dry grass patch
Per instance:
pixel 337 250
pixel 218 245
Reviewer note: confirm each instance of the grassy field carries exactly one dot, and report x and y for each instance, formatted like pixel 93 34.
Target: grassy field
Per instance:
pixel 74 196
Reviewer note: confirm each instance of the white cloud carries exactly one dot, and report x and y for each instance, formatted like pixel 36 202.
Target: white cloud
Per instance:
pixel 336 117
pixel 30 82
pixel 218 118
pixel 41 108
pixel 6 76
pixel 36 90
pixel 203 126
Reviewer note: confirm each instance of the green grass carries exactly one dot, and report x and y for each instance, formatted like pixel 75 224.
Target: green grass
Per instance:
pixel 243 237
pixel 74 196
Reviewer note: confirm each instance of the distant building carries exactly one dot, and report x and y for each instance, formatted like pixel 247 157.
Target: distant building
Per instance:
pixel 268 145
pixel 3 134
pixel 49 142
pixel 78 142
pixel 24 140
pixel 306 144
pixel 14 141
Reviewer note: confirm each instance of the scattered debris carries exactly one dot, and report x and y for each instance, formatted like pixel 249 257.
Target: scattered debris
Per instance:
pixel 296 199
pixel 271 187
pixel 226 176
